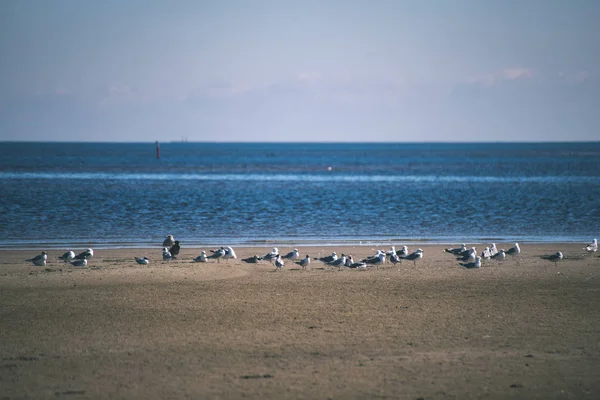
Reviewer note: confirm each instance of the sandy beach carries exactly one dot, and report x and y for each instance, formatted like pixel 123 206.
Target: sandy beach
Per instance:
pixel 521 329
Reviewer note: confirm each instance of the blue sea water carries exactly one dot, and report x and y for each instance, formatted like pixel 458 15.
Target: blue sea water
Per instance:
pixel 119 195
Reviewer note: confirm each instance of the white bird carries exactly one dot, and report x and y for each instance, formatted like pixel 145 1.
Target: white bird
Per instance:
pixel 278 263
pixel 469 256
pixel 292 255
pixel 304 262
pixel 329 259
pixel 402 252
pixel 201 257
pixel 143 261
pixel 493 249
pixel 339 262
pixel 169 241
pixel 68 256
pixel 474 264
pixel 499 256
pixel 592 247
pixel 456 250
pixel 486 254
pixel 79 262
pixel 89 253
pixel 514 251
pixel 217 254
pixel 417 255
pixel 555 258
pixel 391 251
pixel 376 261
pixel 39 260
pixel 272 255
pixel 394 259
pixel 351 264
pixel 166 254
pixel 229 253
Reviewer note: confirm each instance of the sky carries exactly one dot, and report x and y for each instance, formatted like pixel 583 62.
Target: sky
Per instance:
pixel 338 70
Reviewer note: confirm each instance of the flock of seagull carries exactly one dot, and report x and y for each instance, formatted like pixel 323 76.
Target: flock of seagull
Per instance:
pixel 467 257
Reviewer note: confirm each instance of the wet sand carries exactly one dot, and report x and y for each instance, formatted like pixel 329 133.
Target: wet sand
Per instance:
pixel 521 329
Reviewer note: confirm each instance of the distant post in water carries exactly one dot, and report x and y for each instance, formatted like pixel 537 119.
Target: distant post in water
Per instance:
pixel 157 151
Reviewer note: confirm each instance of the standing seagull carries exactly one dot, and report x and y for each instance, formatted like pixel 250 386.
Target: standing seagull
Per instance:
pixel 417 255
pixel 394 259
pixel 39 260
pixel 272 255
pixel 68 256
pixel 229 253
pixel 89 253
pixel 217 254
pixel 278 263
pixel 201 257
pixel 166 254
pixel 169 241
pixel 292 255
pixel 376 261
pixel 554 257
pixel 304 262
pixel 592 247
pixel 340 262
pixel 174 250
pixel 474 264
pixel 493 249
pixel 143 261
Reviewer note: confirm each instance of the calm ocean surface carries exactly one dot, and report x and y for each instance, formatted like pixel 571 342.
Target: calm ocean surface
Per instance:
pixel 58 195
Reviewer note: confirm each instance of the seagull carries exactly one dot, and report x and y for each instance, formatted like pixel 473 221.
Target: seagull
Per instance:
pixel 493 249
pixel 143 261
pixel 329 259
pixel 166 254
pixel 278 263
pixel 486 254
pixel 79 262
pixel 514 251
pixel 292 255
pixel 403 252
pixel 417 255
pixel 469 256
pixel 39 260
pixel 217 254
pixel 89 253
pixel 391 251
pixel 373 259
pixel 499 256
pixel 272 255
pixel 174 250
pixel 592 247
pixel 474 264
pixel 252 260
pixel 229 253
pixel 339 262
pixel 304 262
pixel 201 257
pixel 376 261
pixel 68 256
pixel 394 258
pixel 351 264
pixel 555 258
pixel 169 241
pixel 456 250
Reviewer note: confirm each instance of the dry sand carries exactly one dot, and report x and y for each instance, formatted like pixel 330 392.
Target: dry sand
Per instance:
pixel 233 330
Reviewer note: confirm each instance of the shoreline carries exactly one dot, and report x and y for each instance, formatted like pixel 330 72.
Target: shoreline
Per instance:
pixel 216 243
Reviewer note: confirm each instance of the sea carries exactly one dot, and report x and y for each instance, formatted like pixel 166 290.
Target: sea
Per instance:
pixel 119 195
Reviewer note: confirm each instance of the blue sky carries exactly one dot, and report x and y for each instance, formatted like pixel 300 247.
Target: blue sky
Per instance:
pixel 423 70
